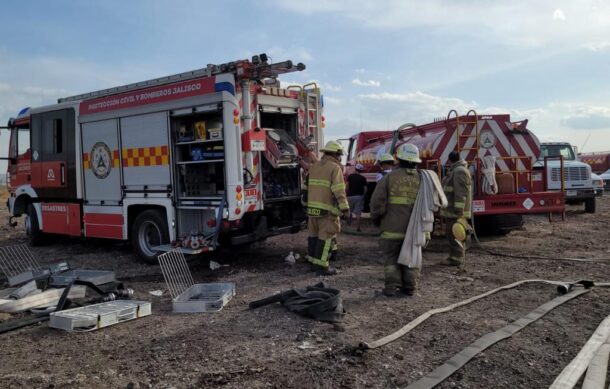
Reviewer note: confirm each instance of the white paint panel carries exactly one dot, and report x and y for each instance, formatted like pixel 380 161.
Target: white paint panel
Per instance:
pixel 105 186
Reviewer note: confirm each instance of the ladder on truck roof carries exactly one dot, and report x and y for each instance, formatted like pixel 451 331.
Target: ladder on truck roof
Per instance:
pixel 259 68
pixel 471 118
pixel 309 94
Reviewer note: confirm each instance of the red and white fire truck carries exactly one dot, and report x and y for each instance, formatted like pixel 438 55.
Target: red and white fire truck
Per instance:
pixel 207 157
pixel 520 185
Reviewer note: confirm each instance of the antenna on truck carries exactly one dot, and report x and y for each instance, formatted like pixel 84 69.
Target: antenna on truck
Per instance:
pixel 582 148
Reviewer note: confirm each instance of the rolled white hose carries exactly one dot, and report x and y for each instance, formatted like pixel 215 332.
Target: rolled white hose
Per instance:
pixel 489 184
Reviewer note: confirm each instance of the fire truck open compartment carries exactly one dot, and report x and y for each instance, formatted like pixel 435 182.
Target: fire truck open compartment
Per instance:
pixel 200 170
pixel 282 182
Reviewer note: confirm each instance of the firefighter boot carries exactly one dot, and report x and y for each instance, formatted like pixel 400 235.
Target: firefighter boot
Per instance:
pixel 410 280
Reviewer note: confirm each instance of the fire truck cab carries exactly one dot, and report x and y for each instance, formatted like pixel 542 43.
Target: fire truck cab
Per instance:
pixel 193 160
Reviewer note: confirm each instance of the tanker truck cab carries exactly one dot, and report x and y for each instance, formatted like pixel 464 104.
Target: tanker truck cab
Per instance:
pixel 577 182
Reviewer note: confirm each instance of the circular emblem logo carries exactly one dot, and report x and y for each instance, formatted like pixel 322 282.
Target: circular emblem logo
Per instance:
pixel 487 139
pixel 101 160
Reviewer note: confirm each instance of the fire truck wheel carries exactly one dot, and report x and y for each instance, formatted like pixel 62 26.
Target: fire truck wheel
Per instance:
pixel 590 205
pixel 149 230
pixel 32 227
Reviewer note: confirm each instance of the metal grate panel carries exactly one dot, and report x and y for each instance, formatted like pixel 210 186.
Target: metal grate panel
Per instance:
pixel 575 173
pixel 176 272
pixel 18 263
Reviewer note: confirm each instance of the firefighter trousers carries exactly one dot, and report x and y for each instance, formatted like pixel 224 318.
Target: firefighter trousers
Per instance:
pixel 397 275
pixel 457 254
pixel 322 240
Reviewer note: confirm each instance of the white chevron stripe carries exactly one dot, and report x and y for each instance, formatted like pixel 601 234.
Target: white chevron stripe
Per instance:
pixel 501 137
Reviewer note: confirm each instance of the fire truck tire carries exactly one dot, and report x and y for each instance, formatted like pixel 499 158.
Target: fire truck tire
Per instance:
pixel 590 205
pixel 32 227
pixel 148 230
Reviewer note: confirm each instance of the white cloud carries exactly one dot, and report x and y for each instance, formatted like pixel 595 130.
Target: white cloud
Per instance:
pixel 332 100
pixel 519 22
pixel 327 87
pixel 559 15
pixel 598 46
pixel 431 105
pixel 371 83
pixel 360 71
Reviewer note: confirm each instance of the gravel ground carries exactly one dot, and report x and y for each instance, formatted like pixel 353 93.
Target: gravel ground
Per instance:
pixel 238 347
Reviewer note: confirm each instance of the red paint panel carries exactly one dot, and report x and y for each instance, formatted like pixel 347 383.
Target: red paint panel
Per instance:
pixel 104 225
pixel 103 231
pixel 48 174
pixel 153 95
pixel 103 218
pixel 61 218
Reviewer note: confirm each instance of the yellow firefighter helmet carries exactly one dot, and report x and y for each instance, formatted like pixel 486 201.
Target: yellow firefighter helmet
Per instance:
pixel 332 147
pixel 459 230
pixel 386 158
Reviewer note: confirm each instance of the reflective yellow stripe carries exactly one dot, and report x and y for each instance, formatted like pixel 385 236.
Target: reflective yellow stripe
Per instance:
pixel 319 182
pixel 337 187
pixel 392 235
pixel 323 261
pixel 459 204
pixel 318 205
pixel 467 214
pixel 344 205
pixel 401 200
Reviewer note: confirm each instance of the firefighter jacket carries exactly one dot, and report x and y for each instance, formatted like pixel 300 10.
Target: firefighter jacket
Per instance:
pixel 457 185
pixel 326 188
pixel 393 200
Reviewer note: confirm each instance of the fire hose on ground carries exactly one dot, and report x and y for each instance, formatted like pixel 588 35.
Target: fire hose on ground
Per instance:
pixel 594 355
pixel 562 287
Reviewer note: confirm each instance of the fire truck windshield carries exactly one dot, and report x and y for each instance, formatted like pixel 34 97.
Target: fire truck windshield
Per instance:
pixel 557 150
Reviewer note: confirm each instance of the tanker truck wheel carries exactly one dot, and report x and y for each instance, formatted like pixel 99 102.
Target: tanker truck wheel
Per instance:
pixel 590 205
pixel 32 227
pixel 149 230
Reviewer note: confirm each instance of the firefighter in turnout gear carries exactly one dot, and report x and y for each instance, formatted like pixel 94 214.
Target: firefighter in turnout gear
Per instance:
pixel 457 186
pixel 326 203
pixel 391 206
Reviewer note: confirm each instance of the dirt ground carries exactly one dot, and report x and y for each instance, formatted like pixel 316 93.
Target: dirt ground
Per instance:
pixel 238 347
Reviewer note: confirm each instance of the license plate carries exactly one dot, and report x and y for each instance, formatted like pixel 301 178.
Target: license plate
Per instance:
pixel 571 193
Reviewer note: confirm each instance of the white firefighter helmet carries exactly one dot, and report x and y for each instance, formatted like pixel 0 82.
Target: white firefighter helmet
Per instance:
pixel 408 152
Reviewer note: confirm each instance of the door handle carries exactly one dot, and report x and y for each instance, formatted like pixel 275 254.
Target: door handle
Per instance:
pixel 62 172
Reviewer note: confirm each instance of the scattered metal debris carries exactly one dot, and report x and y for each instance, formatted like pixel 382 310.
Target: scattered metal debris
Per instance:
pixel 188 296
pixel 19 264
pixel 96 316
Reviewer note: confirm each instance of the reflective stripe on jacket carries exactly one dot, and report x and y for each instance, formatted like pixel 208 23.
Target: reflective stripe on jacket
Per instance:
pixel 457 185
pixel 326 188
pixel 392 201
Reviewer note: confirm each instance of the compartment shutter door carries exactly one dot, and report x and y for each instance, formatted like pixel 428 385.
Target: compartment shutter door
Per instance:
pixel 145 152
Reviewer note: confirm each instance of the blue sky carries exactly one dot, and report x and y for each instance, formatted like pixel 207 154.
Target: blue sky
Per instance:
pixel 380 63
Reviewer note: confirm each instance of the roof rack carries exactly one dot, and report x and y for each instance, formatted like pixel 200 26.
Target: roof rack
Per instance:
pixel 258 68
